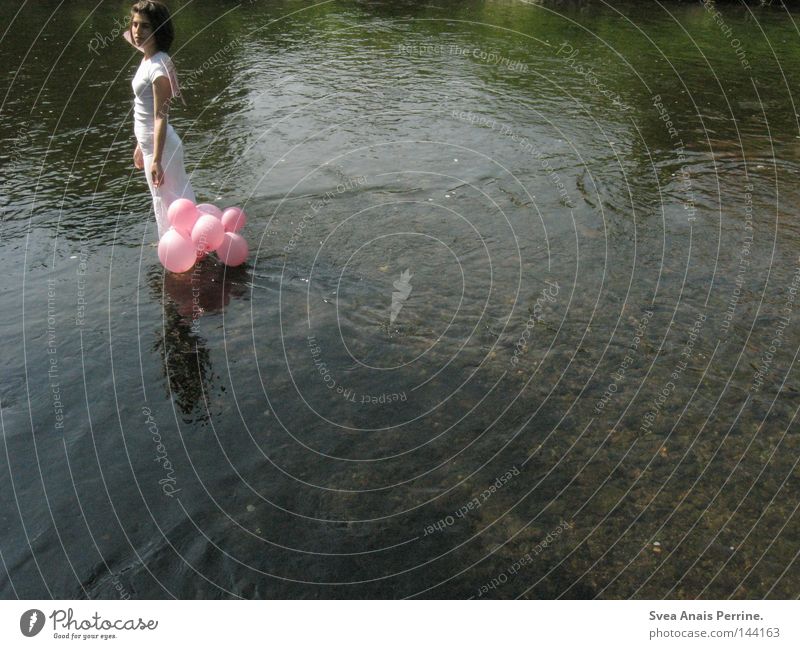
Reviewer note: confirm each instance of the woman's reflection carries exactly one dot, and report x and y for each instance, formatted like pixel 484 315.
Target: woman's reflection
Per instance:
pixel 186 297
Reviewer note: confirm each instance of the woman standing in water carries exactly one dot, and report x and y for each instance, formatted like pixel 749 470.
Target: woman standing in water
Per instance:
pixel 159 150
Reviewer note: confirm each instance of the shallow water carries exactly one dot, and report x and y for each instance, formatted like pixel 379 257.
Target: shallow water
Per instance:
pixel 511 325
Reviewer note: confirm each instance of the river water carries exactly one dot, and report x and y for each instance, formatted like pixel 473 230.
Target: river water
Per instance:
pixel 519 319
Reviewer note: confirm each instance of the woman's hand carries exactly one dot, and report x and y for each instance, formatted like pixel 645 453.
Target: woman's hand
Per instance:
pixel 138 158
pixel 156 173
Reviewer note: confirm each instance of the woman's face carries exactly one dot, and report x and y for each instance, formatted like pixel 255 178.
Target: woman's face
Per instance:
pixel 142 31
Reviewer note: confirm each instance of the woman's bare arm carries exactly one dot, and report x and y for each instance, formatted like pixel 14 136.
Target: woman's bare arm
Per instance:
pixel 162 93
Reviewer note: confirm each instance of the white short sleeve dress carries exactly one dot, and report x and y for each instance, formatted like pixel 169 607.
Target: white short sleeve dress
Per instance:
pixel 176 183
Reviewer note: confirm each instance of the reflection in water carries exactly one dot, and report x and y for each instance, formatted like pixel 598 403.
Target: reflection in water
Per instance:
pixel 186 298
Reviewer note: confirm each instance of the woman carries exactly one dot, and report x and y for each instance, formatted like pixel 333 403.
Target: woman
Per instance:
pixel 159 150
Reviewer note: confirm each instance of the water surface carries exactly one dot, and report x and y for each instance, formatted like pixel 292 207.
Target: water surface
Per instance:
pixel 519 318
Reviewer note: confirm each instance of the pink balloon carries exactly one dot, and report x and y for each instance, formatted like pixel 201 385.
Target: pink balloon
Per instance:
pixel 176 251
pixel 182 214
pixel 208 208
pixel 207 233
pixel 233 249
pixel 233 219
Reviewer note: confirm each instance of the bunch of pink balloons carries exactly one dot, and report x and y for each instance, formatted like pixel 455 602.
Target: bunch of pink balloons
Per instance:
pixel 199 229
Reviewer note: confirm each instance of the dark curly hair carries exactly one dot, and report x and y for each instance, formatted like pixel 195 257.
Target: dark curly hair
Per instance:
pixel 157 12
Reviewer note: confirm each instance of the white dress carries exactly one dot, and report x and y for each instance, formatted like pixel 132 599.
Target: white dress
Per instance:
pixel 176 183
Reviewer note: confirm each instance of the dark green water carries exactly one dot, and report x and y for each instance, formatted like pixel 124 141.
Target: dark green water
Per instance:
pixel 583 386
